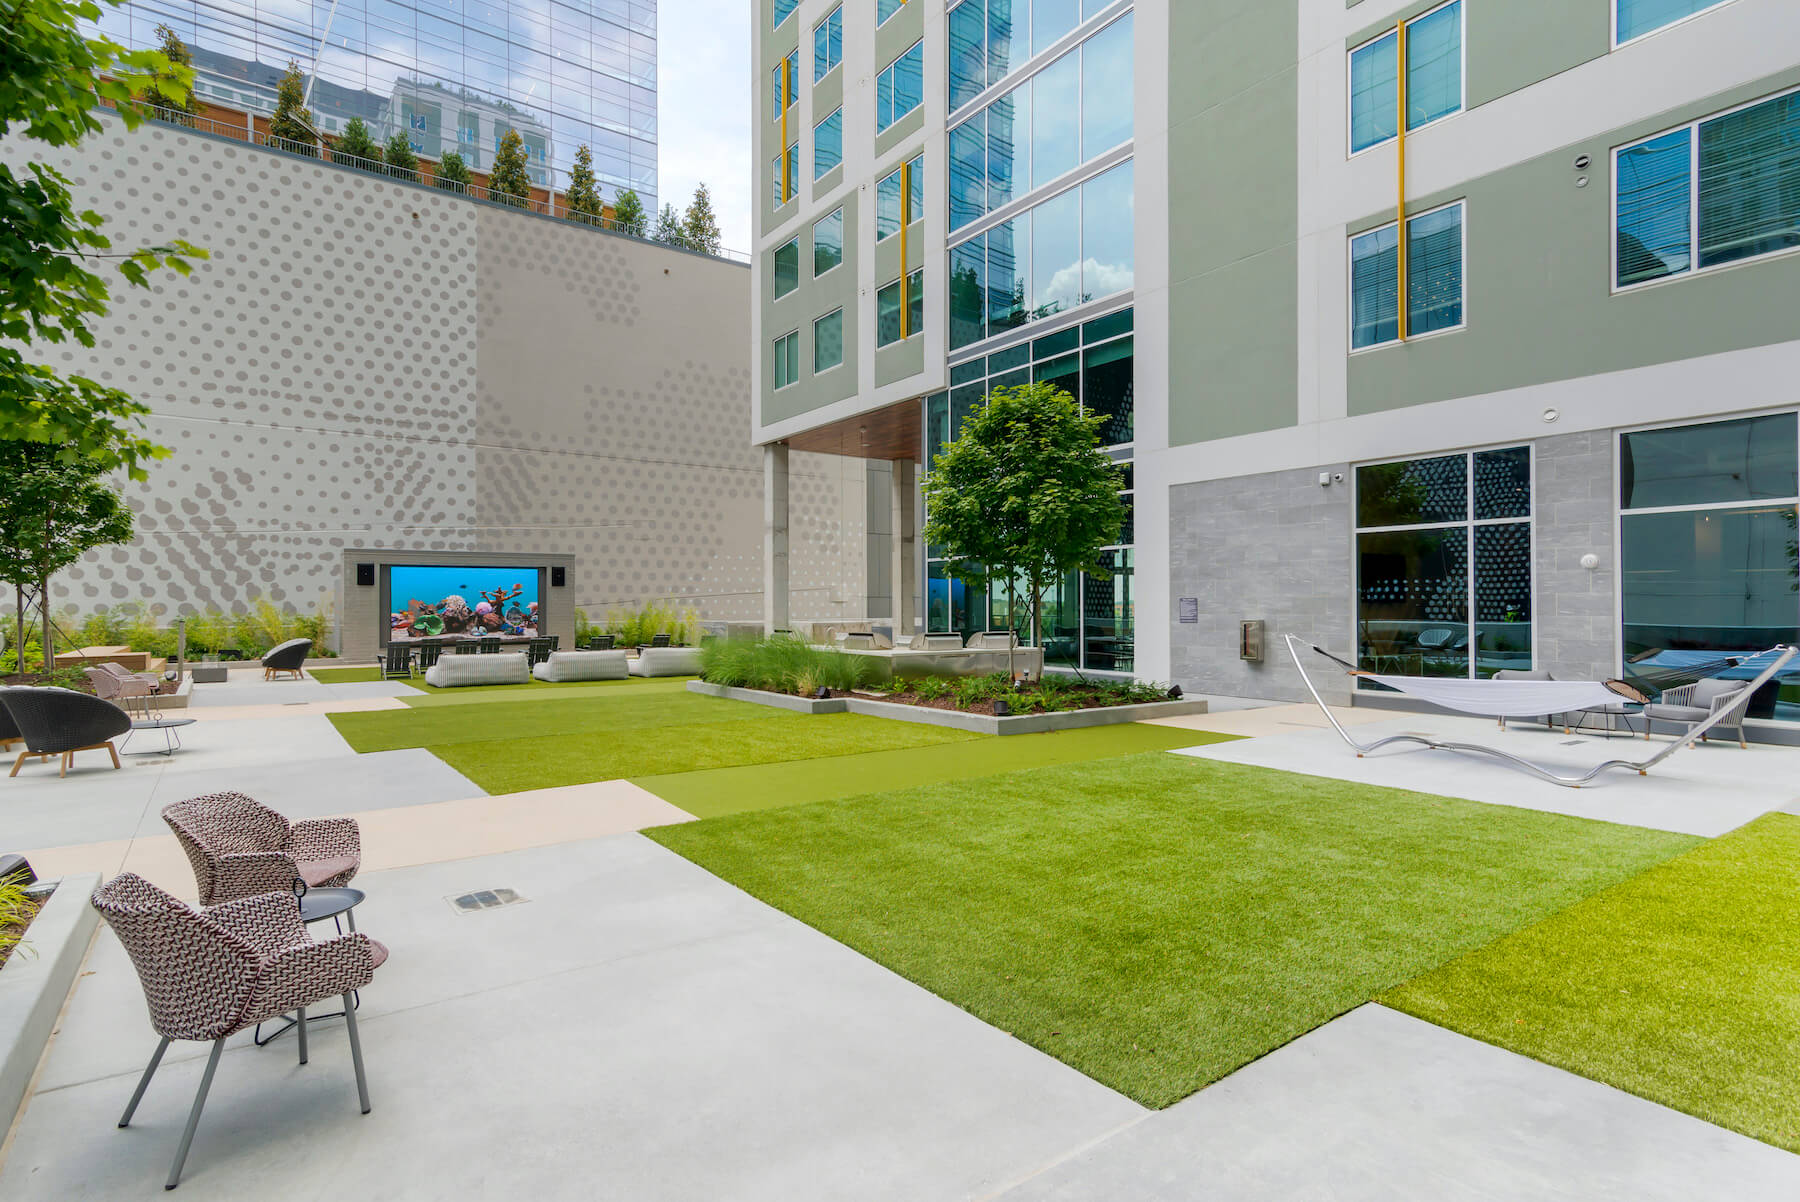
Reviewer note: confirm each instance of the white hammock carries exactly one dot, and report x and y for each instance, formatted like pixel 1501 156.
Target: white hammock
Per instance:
pixel 1522 699
pixel 1511 698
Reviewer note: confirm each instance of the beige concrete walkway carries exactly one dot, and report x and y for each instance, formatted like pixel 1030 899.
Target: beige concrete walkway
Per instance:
pixel 1269 720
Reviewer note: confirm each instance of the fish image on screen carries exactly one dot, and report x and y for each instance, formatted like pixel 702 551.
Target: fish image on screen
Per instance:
pixel 454 603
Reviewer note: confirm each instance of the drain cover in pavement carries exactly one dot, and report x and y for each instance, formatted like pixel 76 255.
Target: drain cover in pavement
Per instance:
pixel 1574 742
pixel 483 899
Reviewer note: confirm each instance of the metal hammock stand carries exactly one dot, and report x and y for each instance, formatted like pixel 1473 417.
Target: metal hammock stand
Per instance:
pixel 1642 767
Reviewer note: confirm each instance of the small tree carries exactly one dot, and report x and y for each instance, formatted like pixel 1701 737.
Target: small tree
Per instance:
pixel 1024 493
pixel 700 229
pixel 292 123
pixel 668 227
pixel 167 93
pixel 402 163
pixel 584 197
pixel 628 214
pixel 51 513
pixel 356 148
pixel 508 182
pixel 452 173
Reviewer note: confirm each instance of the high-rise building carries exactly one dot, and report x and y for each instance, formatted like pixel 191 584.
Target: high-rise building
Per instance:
pixel 1569 441
pixel 563 73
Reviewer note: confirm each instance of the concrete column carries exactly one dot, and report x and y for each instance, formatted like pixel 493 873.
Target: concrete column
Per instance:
pixel 906 550
pixel 775 538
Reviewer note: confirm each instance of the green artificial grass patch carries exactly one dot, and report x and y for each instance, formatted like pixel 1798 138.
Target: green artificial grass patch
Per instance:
pixel 508 765
pixel 720 791
pixel 344 675
pixel 1157 921
pixel 532 716
pixel 1681 985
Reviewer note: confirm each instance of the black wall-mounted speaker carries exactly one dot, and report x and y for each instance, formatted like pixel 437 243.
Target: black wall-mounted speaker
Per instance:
pixel 365 574
pixel 558 577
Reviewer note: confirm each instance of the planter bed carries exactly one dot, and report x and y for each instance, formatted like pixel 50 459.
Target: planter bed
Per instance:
pixel 944 714
pixel 35 981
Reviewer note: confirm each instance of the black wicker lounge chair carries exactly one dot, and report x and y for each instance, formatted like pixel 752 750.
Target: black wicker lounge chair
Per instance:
pixel 286 658
pixel 9 730
pixel 60 722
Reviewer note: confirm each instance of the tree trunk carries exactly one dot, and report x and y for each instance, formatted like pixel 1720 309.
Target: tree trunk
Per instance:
pixel 1011 630
pixel 1037 621
pixel 19 647
pixel 44 610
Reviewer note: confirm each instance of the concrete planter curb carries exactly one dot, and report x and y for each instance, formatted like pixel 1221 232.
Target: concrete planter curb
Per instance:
pixel 35 983
pixel 1022 724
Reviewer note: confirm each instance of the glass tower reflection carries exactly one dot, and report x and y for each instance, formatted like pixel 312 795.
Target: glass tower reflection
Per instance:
pixel 452 74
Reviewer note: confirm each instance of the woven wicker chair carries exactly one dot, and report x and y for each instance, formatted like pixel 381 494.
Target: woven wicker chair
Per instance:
pixel 240 848
pixel 208 974
pixel 9 730
pixel 286 658
pixel 61 722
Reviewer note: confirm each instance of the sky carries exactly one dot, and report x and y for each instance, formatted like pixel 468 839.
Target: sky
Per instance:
pixel 703 122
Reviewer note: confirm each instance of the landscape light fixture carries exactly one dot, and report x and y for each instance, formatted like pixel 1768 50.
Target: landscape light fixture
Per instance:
pixel 1002 708
pixel 1174 692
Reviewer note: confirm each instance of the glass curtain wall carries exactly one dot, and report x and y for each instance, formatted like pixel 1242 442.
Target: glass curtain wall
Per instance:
pixel 1707 550
pixel 1088 620
pixel 563 73
pixel 1443 578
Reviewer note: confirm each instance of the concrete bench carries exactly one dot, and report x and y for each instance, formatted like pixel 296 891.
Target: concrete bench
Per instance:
pixel 453 671
pixel 582 665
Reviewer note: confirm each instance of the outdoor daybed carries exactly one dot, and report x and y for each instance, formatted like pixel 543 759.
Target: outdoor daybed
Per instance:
pixel 582 665
pixel 667 661
pixel 455 670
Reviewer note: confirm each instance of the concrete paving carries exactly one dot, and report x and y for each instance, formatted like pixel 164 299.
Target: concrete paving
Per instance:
pixel 635 1030
pixel 1378 1106
pixel 247 688
pixel 1703 790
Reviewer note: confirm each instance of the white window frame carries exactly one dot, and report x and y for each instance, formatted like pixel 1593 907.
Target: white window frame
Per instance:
pixel 839 214
pixel 1404 286
pixel 795 243
pixel 1616 43
pixel 837 12
pixel 817 371
pixel 886 71
pixel 918 161
pixel 1693 132
pixel 1462 102
pixel 795 335
pixel 784 20
pixel 1469 522
pixel 793 149
pixel 837 112
pixel 918 329
pixel 901 7
pixel 794 96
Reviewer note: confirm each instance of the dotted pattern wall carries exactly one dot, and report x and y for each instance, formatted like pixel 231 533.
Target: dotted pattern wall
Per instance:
pixel 364 363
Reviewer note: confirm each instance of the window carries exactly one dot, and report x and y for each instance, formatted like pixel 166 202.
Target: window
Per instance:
pixel 1074 110
pixel 1434 270
pixel 887 199
pixel 828 342
pixel 1073 248
pixel 783 10
pixel 886 8
pixel 900 88
pixel 1707 566
pixel 786 268
pixel 828 243
pixel 1434 77
pixel 887 310
pixel 787 359
pixel 785 84
pixel 828 143
pixel 1443 553
pixel 1635 18
pixel 787 174
pixel 1746 203
pixel 828 44
pixel 990 38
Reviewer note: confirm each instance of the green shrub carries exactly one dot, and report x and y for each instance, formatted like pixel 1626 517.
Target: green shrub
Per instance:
pixel 973 690
pixel 783 664
pixel 632 627
pixel 932 688
pixel 16 910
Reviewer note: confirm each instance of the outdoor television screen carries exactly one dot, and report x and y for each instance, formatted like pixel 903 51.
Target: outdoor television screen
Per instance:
pixel 461 603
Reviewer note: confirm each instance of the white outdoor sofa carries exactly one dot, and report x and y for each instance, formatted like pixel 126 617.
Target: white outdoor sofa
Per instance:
pixel 666 661
pixel 563 666
pixel 452 671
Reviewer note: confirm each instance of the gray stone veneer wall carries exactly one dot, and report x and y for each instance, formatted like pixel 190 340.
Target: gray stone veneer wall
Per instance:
pixel 367 363
pixel 1274 547
pixel 1576 625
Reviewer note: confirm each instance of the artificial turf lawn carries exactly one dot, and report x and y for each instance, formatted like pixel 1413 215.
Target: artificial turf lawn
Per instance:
pixel 719 791
pixel 1681 985
pixel 1157 921
pixel 344 675
pixel 464 693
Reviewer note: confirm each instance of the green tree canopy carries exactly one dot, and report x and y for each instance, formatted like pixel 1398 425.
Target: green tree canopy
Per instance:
pixel 52 511
pixel 177 100
pixel 1024 493
pixel 452 173
pixel 508 182
pixel 356 147
pixel 292 123
pixel 700 228
pixel 628 214
pixel 668 227
pixel 51 81
pixel 584 196
pixel 402 162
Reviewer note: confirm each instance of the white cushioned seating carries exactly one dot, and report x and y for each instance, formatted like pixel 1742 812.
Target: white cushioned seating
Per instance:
pixel 454 670
pixel 582 665
pixel 667 661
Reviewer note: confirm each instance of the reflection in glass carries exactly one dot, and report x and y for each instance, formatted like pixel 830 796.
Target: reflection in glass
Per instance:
pixel 1750 182
pixel 828 143
pixel 828 341
pixel 1106 88
pixel 1710 580
pixel 1434 280
pixel 1655 208
pixel 968 62
pixel 1051 20
pixel 1063 373
pixel 1055 120
pixel 1503 483
pixel 1000 36
pixel 1056 254
pixel 1413 602
pixel 968 293
pixel 1107 388
pixel 787 268
pixel 1007 248
pixel 1108 233
pixel 828 243
pixel 1061 622
pixel 968 171
pixel 1109 614
pixel 1374 287
pixel 1434 65
pixel 1412 492
pixel 1374 98
pixel 1008 126
pixel 1502 597
pixel 1749 459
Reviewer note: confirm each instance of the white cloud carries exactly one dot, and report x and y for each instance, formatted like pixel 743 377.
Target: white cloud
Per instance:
pixel 703 123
